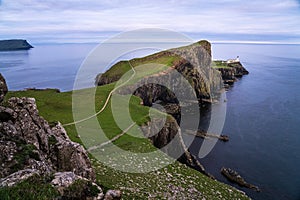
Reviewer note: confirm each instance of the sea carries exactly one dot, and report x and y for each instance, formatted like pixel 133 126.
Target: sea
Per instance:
pixel 263 108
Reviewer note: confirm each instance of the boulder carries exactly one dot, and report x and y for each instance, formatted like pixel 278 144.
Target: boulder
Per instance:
pixel 113 195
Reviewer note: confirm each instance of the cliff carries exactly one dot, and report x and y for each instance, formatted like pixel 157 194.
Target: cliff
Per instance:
pixel 17 44
pixel 193 62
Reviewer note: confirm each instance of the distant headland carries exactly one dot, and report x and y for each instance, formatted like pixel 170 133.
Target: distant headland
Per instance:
pixel 13 45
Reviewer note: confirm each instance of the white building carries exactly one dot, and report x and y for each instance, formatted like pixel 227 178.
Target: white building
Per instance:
pixel 233 60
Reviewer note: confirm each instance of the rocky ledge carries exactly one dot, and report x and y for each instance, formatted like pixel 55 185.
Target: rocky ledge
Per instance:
pixel 16 44
pixel 231 71
pixel 30 147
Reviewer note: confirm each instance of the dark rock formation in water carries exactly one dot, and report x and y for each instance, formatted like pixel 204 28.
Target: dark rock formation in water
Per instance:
pixel 29 147
pixel 235 177
pixel 11 45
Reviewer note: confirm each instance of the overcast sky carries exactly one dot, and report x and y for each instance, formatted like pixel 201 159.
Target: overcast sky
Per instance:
pixel 95 20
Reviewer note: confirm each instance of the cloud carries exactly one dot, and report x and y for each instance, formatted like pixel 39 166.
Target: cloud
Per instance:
pixel 71 19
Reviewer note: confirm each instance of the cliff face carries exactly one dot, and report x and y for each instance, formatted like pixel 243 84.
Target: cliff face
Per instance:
pixel 10 45
pixel 196 67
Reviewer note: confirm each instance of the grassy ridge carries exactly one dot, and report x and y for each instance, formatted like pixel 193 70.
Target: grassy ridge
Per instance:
pixel 120 68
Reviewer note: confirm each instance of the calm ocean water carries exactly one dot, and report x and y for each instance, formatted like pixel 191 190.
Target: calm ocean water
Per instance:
pixel 263 108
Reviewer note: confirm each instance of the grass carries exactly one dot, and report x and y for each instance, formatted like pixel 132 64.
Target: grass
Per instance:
pixel 220 64
pixel 81 189
pixel 120 68
pixel 39 188
pixel 33 188
pixel 55 106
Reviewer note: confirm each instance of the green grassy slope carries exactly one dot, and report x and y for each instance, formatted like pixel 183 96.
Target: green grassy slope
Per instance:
pixel 55 106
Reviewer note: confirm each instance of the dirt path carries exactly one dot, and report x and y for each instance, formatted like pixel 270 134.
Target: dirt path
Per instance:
pixel 106 102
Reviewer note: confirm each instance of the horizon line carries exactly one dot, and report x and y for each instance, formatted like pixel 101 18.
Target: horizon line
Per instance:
pixel 211 41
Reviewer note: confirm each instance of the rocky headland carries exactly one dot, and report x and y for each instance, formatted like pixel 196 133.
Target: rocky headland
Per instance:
pixel 194 63
pixel 16 44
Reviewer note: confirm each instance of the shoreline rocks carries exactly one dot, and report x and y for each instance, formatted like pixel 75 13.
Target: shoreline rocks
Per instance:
pixel 235 177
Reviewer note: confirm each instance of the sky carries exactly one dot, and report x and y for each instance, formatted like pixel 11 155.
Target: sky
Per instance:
pixel 275 21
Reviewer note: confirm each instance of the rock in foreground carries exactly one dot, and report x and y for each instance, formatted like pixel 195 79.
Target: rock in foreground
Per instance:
pixel 32 149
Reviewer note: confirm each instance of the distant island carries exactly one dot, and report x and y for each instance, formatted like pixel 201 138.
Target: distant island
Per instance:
pixel 13 45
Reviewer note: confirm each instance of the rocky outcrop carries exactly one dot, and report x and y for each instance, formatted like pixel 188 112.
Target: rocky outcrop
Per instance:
pixel 17 44
pixel 31 147
pixel 232 71
pixel 103 80
pixel 169 140
pixel 30 143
